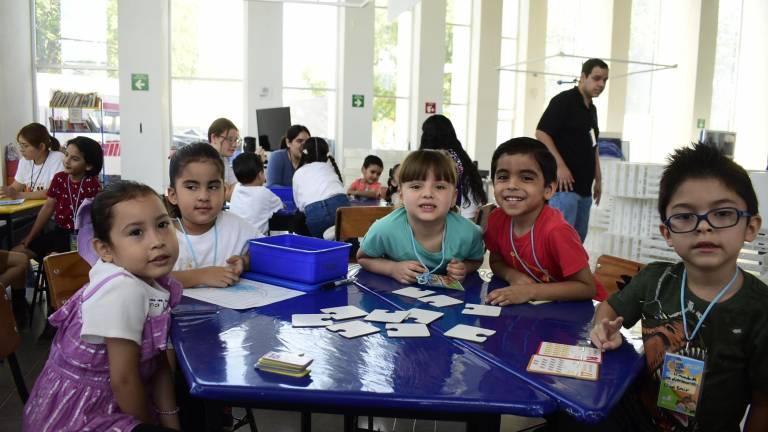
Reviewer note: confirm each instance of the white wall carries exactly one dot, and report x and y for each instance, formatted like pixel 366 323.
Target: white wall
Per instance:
pixel 428 61
pixel 263 83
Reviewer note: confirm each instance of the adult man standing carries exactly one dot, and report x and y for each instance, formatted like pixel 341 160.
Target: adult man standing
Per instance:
pixel 569 129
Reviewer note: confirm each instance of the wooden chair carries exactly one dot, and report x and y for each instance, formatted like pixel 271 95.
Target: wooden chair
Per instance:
pixel 353 222
pixel 66 272
pixel 610 269
pixel 9 342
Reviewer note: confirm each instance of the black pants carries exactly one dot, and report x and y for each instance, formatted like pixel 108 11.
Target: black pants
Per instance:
pixel 152 428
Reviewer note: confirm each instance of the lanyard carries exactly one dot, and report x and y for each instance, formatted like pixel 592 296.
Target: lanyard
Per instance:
pixel 192 250
pixel 533 252
pixel 423 279
pixel 33 183
pixel 709 308
pixel 75 205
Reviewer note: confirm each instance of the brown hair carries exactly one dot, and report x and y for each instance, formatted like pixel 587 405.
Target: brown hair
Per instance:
pixel 219 127
pixel 37 135
pixel 419 163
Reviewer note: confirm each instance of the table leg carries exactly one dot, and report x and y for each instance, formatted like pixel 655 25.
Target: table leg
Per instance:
pixel 484 423
pixel 350 423
pixel 306 421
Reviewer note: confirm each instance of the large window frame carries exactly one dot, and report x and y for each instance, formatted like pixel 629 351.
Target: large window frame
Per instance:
pixel 456 92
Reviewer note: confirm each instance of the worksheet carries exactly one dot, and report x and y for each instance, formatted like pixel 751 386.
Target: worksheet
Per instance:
pixel 245 294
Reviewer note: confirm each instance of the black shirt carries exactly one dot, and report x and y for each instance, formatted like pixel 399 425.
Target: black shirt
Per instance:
pixel 568 121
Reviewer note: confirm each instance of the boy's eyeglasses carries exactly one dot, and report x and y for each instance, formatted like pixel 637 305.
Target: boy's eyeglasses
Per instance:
pixel 724 217
pixel 232 140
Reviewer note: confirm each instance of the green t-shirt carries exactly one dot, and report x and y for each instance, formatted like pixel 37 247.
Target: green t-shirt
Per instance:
pixel 733 341
pixel 390 238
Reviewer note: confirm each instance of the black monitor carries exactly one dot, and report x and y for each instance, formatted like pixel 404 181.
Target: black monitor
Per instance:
pixel 272 124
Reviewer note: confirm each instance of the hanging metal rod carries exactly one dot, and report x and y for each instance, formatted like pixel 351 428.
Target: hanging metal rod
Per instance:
pixel 362 4
pixel 655 66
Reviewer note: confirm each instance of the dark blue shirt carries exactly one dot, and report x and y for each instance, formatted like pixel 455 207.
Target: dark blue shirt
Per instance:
pixel 280 169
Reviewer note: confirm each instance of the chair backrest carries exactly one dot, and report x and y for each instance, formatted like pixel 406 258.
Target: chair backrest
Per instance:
pixel 66 272
pixel 353 222
pixel 9 333
pixel 610 269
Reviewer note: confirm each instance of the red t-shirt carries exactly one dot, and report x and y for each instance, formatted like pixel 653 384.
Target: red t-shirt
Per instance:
pixel 69 195
pixel 362 186
pixel 558 247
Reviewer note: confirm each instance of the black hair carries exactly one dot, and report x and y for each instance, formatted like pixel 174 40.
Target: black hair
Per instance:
pixel 293 132
pixel 702 161
pixel 438 134
pixel 196 152
pixel 247 166
pixel 316 150
pixel 114 193
pixel 92 153
pixel 391 188
pixel 586 68
pixel 249 144
pixel 37 135
pixel 373 160
pixel 527 146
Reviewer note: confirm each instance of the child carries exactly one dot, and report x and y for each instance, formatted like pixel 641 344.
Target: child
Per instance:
pixel 69 188
pixel 318 189
pixel 424 237
pixel 250 199
pixel 225 138
pixel 532 247
pixel 368 186
pixel 212 242
pixel 107 369
pixel 41 162
pixel 391 192
pixel 708 210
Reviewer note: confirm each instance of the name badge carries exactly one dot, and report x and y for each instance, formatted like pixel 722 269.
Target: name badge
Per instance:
pixel 73 241
pixel 680 386
pixel 592 137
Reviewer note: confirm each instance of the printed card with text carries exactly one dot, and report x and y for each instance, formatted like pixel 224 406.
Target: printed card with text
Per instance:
pixel 563 367
pixel 444 282
pixel 571 352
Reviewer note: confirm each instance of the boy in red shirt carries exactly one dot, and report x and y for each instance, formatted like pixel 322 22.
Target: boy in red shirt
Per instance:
pixel 368 186
pixel 532 247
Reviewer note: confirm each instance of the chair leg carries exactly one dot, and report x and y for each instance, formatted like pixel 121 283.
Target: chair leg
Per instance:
pixel 36 292
pixel 18 378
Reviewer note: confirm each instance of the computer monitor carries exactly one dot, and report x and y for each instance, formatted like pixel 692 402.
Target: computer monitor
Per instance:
pixel 272 124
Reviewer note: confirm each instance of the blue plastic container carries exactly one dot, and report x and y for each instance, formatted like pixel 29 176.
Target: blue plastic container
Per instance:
pixel 302 259
pixel 285 193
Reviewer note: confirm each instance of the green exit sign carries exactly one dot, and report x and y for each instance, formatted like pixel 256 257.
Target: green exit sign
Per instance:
pixel 139 82
pixel 700 123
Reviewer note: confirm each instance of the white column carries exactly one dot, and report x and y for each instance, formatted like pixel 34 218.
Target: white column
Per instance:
pixel 532 86
pixel 617 87
pixel 263 83
pixel 17 73
pixel 145 132
pixel 484 82
pixel 705 70
pixel 429 60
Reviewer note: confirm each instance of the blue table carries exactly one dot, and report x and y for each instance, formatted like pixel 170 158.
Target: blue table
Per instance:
pixel 519 331
pixel 374 375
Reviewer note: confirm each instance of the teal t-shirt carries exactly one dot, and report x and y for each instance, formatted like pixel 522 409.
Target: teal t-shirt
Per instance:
pixel 390 238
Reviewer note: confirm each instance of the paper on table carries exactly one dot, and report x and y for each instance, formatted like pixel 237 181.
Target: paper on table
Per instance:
pixel 11 201
pixel 244 294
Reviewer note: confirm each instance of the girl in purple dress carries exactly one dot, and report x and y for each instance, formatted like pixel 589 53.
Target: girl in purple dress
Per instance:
pixel 107 369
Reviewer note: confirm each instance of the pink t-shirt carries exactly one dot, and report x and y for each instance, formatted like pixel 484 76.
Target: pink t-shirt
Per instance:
pixel 361 186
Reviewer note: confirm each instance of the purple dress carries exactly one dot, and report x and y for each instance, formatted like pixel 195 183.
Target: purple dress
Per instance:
pixel 73 391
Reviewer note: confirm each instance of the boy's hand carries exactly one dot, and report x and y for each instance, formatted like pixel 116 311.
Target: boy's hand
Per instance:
pixel 236 263
pixel 605 334
pixel 515 294
pixel 407 271
pixel 219 277
pixel 457 270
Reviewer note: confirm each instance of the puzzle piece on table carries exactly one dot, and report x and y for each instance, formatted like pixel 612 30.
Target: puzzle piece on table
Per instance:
pixel 353 329
pixel 385 316
pixel 311 320
pixel 344 312
pixel 407 330
pixel 413 292
pixel 422 316
pixel 440 300
pixel 482 310
pixel 470 333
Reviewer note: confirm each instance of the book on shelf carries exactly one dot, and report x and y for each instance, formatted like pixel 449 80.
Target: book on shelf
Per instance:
pixel 61 99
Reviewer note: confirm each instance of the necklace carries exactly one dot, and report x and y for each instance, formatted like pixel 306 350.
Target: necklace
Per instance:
pixel 533 252
pixel 424 278
pixel 192 250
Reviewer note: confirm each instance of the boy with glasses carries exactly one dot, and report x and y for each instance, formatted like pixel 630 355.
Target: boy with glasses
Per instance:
pixel 704 321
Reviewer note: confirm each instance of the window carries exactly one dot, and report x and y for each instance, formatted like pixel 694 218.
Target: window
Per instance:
pixel 206 66
pixel 458 38
pixel 726 63
pixel 562 26
pixel 391 79
pixel 508 79
pixel 310 35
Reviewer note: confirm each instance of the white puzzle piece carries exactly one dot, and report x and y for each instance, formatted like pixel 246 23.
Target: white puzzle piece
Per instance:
pixel 311 320
pixel 353 329
pixel 482 310
pixel 407 330
pixel 385 316
pixel 440 300
pixel 344 312
pixel 423 316
pixel 413 292
pixel 470 333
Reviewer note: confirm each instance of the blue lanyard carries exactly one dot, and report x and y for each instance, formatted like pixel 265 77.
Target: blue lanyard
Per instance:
pixel 33 183
pixel 192 250
pixel 709 308
pixel 423 279
pixel 533 252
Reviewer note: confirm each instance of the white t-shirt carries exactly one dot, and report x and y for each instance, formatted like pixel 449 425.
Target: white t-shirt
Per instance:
pixel 38 177
pixel 229 236
pixel 229 173
pixel 315 182
pixel 469 208
pixel 120 308
pixel 255 204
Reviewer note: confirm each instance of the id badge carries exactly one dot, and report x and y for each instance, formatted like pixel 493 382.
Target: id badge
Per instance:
pixel 73 241
pixel 680 386
pixel 592 137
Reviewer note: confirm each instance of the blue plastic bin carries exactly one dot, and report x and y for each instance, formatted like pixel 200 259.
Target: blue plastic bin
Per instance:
pixel 302 259
pixel 285 193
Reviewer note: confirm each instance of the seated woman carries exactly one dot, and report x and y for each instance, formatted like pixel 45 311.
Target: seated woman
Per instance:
pixel 284 162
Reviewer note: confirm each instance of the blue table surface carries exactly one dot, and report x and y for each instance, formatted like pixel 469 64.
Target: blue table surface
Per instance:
pixel 519 331
pixel 217 349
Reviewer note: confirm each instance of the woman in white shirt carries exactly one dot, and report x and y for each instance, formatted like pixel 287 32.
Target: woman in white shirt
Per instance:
pixel 318 189
pixel 41 161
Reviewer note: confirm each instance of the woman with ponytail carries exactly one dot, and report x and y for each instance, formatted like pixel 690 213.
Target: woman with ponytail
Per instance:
pixel 41 161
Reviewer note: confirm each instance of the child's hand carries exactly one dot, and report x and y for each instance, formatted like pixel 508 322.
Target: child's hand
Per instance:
pixel 407 271
pixel 605 334
pixel 457 270
pixel 236 263
pixel 9 192
pixel 219 277
pixel 515 294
